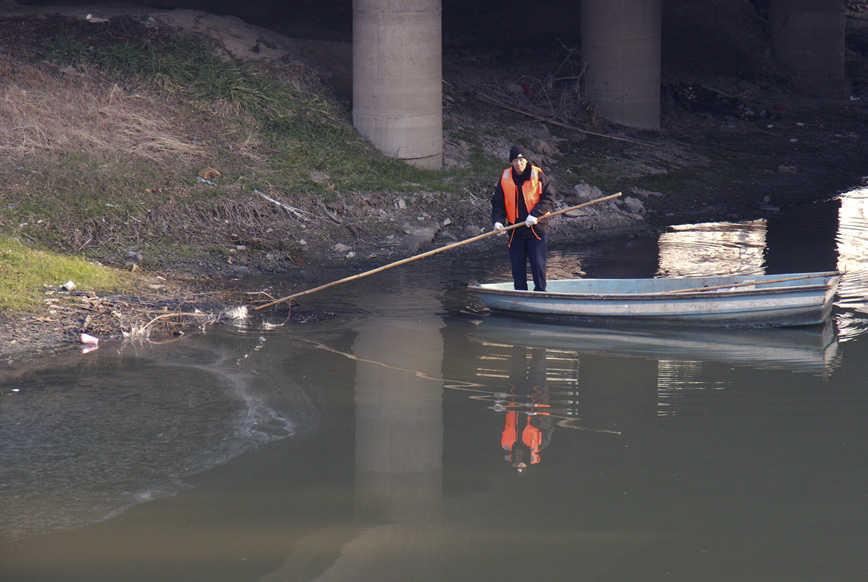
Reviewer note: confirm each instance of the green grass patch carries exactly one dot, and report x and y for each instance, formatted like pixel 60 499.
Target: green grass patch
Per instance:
pixel 74 189
pixel 24 274
pixel 67 50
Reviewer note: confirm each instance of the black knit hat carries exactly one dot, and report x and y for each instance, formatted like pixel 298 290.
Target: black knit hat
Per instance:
pixel 518 151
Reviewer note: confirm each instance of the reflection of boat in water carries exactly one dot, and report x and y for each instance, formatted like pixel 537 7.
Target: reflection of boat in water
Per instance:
pixel 807 348
pixel 748 300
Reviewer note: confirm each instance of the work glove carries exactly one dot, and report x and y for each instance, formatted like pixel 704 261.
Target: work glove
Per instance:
pixel 498 226
pixel 530 220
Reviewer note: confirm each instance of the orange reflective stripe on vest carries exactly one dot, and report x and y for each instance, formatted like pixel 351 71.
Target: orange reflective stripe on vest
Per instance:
pixel 531 191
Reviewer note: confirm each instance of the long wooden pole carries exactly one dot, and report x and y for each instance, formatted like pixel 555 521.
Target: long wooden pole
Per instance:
pixel 426 254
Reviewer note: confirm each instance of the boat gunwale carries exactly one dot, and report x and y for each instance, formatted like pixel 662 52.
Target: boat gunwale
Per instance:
pixel 832 277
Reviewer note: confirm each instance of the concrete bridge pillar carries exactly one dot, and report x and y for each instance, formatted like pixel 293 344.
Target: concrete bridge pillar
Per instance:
pixel 808 40
pixel 397 78
pixel 621 44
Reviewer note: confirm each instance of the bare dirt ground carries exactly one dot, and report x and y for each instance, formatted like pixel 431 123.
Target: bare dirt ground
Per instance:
pixel 791 149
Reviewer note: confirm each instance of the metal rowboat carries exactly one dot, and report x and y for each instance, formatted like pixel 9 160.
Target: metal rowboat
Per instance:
pixel 731 300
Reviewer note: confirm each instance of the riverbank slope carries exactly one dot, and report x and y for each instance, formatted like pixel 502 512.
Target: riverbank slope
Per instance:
pixel 199 196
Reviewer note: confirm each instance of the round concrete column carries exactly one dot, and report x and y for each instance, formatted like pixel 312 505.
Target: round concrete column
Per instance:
pixel 621 44
pixel 397 78
pixel 808 40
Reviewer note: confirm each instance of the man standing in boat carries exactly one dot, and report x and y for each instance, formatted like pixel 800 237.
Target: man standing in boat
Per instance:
pixel 524 194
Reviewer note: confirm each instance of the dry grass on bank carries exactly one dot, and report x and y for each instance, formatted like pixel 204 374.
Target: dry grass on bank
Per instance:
pixel 56 115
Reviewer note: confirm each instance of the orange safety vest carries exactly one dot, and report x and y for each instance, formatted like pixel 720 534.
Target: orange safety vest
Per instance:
pixel 531 191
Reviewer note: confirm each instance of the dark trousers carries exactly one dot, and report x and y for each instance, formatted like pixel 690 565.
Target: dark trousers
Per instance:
pixel 522 250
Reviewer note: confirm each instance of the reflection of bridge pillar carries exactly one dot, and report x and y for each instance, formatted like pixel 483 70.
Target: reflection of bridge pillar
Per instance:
pixel 621 44
pixel 808 40
pixel 399 453
pixel 398 456
pixel 399 416
pixel 397 78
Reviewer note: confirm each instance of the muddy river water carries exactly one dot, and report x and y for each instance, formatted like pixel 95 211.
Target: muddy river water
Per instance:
pixel 376 444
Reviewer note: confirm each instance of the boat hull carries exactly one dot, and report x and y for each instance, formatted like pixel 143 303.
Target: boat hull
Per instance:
pixel 741 300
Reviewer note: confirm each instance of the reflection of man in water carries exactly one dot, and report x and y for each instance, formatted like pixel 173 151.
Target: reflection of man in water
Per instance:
pixel 528 425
